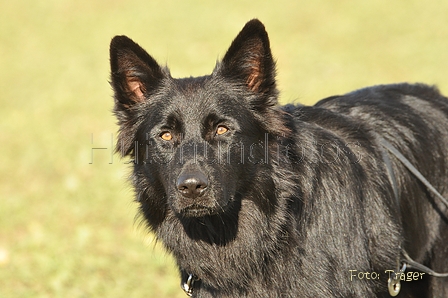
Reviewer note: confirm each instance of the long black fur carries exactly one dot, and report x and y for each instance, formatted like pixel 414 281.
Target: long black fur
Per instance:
pixel 296 196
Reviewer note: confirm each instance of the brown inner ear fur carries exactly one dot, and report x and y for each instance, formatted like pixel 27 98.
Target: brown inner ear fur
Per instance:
pixel 135 88
pixel 255 77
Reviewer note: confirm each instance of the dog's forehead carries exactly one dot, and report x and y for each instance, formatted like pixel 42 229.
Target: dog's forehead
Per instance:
pixel 196 96
pixel 193 89
pixel 195 103
pixel 192 84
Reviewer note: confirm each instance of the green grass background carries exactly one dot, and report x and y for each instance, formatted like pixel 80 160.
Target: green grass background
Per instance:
pixel 67 227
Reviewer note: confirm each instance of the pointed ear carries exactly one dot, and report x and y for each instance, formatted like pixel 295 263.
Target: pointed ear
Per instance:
pixel 249 59
pixel 134 73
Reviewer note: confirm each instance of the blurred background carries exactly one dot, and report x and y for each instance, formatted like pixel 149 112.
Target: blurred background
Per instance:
pixel 67 216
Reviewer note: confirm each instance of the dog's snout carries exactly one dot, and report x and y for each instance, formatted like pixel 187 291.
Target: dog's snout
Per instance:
pixel 192 184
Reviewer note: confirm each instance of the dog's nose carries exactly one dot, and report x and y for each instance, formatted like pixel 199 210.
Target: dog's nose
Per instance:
pixel 192 184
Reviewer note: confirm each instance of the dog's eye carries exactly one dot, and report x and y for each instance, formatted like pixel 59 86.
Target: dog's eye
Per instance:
pixel 166 136
pixel 221 130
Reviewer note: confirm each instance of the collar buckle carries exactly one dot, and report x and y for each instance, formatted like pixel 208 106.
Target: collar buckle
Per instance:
pixel 188 285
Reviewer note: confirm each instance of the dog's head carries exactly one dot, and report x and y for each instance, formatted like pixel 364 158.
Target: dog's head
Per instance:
pixel 197 142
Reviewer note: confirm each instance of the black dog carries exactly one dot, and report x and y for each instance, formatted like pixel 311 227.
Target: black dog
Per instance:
pixel 258 200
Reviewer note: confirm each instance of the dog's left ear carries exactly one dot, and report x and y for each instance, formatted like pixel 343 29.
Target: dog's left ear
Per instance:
pixel 249 59
pixel 135 74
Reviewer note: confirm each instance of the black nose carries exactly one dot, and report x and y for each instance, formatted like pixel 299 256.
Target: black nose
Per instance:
pixel 192 184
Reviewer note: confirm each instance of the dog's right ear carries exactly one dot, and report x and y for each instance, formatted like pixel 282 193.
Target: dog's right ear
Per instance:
pixel 134 73
pixel 249 60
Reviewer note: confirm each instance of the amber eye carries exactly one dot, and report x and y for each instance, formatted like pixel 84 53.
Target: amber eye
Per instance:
pixel 221 130
pixel 166 136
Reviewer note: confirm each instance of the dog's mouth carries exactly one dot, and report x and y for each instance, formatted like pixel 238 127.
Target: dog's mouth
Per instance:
pixel 197 210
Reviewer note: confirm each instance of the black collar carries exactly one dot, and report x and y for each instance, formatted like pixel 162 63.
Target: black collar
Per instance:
pixel 407 262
